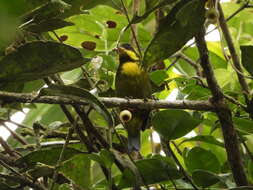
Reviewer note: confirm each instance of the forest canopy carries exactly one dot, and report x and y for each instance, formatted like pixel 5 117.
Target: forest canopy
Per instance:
pixel 91 76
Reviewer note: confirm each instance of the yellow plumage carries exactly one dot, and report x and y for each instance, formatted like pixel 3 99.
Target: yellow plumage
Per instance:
pixel 132 81
pixel 131 69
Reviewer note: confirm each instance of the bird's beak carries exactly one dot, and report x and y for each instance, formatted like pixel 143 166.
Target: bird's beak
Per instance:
pixel 121 51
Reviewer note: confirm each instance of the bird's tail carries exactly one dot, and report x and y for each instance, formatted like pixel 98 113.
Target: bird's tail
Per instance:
pixel 134 141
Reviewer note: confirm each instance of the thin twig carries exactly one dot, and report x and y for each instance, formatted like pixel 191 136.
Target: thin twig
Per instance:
pixel 234 56
pixel 234 101
pixel 8 149
pixel 190 61
pixel 167 145
pixel 55 175
pixel 90 129
pixel 227 19
pixel 246 147
pixel 132 29
pixel 15 135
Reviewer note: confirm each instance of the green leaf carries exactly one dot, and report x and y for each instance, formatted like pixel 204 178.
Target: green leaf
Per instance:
pixel 77 93
pixel 158 76
pixel 10 20
pixel 173 124
pixel 247 57
pixel 32 86
pixel 93 27
pixel 45 114
pixel 4 186
pixel 38 59
pixel 152 170
pixel 95 157
pixel 205 178
pixel 180 25
pixel 47 25
pixel 65 187
pixel 151 6
pixel 223 75
pixel 250 169
pixel 78 170
pixel 199 158
pixel 47 156
pixel 107 157
pixel 205 138
pixel 49 10
pixel 243 125
pixel 47 171
pixel 12 86
pixel 242 188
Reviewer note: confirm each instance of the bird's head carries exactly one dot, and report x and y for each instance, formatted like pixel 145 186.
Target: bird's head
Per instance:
pixel 127 53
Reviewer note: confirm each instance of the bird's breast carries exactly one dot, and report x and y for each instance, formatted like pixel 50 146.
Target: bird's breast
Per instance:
pixel 131 69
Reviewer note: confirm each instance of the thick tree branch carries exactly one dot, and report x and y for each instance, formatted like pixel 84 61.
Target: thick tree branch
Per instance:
pixel 223 113
pixel 109 102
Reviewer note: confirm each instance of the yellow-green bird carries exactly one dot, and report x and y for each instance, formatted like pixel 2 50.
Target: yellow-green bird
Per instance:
pixel 132 81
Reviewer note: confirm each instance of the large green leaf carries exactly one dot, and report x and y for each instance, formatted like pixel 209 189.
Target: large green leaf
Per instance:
pixel 205 178
pixel 173 124
pixel 152 170
pixel 180 25
pixel 75 165
pixel 51 9
pixel 9 20
pixel 205 138
pixel 45 114
pixel 46 171
pixel 78 170
pixel 93 27
pixel 199 158
pixel 247 57
pixel 192 52
pixel 105 158
pixel 74 7
pixel 47 156
pixel 222 76
pixel 39 59
pixel 77 93
pixel 158 76
pixel 47 25
pixel 242 188
pixel 243 125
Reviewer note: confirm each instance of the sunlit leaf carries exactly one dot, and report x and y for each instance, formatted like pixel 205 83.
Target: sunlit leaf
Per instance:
pixel 205 138
pixel 199 158
pixel 173 124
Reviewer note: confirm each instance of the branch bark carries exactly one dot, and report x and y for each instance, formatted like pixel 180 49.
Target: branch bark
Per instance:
pixel 109 102
pixel 223 113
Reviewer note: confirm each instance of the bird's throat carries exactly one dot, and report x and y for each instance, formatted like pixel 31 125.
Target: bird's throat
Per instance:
pixel 131 69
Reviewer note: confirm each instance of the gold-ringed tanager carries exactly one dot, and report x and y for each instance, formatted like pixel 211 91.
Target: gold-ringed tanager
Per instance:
pixel 132 81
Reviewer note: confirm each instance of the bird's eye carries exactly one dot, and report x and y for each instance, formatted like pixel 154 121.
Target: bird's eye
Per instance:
pixel 125 116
